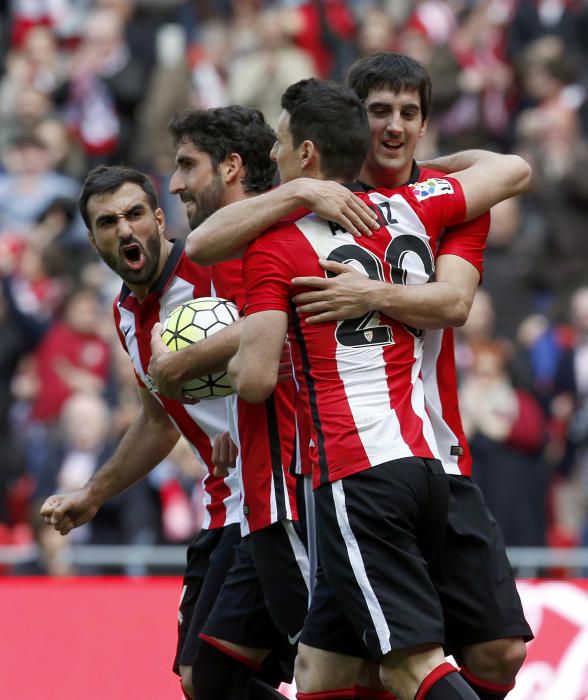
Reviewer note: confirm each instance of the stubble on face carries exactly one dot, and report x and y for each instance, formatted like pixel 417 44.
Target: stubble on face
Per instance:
pixel 150 252
pixel 203 203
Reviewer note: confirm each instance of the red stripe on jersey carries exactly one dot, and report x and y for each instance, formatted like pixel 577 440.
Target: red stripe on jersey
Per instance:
pixel 267 456
pixel 447 384
pixel 267 432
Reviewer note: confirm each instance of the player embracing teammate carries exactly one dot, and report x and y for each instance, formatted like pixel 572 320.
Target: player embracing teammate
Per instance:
pixel 405 538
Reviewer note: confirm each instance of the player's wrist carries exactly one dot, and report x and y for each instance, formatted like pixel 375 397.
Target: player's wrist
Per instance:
pixel 376 296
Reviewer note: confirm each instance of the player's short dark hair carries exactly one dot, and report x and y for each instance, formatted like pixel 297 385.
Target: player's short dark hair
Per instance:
pixel 391 71
pixel 334 119
pixel 225 130
pixel 109 178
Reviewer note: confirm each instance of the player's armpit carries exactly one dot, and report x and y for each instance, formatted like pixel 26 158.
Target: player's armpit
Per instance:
pixel 254 369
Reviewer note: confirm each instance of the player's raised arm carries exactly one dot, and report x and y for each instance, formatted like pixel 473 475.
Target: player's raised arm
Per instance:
pixel 254 369
pixel 486 178
pixel 148 440
pixel 226 232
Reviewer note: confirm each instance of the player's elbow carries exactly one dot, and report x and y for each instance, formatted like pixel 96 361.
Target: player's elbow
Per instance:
pixel 521 174
pixel 254 389
pixel 458 313
pixel 198 250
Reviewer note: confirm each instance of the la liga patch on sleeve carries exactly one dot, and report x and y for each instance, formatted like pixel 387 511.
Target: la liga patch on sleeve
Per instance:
pixel 433 187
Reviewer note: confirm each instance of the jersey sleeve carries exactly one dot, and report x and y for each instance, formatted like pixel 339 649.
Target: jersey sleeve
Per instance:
pixel 227 282
pixel 467 241
pixel 439 201
pixel 267 273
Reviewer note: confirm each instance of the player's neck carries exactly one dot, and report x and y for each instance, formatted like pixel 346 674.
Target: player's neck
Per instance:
pixel 381 177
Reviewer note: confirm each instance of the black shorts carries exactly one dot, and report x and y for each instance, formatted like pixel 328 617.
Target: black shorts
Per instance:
pixel 264 599
pixel 376 531
pixel 209 558
pixel 473 576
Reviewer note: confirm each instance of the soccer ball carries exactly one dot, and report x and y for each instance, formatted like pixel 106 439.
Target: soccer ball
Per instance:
pixel 192 321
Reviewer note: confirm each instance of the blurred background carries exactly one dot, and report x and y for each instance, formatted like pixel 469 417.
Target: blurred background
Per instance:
pixel 85 82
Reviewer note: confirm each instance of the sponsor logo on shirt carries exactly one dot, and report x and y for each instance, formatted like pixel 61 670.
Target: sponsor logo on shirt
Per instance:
pixel 433 187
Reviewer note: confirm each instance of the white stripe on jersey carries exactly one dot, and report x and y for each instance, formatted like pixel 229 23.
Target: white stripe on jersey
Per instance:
pixel 358 567
pixel 368 397
pixel 407 223
pixel 233 422
pixel 420 404
pixel 444 436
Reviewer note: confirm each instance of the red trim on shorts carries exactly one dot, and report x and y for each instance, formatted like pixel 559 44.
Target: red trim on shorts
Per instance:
pixel 486 685
pixel 231 652
pixel 436 674
pixel 371 694
pixel 326 694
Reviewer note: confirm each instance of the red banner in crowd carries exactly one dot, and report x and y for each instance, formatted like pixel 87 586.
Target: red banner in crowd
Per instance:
pixel 114 638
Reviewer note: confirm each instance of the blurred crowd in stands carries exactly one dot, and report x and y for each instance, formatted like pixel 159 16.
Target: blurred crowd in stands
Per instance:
pixel 84 82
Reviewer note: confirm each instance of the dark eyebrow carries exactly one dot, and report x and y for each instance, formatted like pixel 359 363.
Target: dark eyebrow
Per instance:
pixel 111 218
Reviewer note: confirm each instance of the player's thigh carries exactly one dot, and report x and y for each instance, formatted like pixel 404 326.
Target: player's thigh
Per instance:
pixel 369 529
pixel 474 578
pixel 209 557
pixel 281 561
pixel 240 614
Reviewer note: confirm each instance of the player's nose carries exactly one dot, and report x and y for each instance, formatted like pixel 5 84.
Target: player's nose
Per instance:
pixel 175 184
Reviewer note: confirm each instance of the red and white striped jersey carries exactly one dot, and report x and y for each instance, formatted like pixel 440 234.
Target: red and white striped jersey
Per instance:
pixel 264 433
pixel 180 281
pixel 467 241
pixel 361 376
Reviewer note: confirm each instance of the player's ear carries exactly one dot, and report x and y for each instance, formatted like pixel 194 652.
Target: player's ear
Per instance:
pixel 424 126
pixel 231 168
pixel 308 154
pixel 160 220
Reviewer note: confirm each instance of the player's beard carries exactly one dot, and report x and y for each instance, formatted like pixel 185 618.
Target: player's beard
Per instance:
pixel 151 253
pixel 206 202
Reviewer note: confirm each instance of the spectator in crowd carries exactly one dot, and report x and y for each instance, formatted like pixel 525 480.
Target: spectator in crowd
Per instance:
pixel 260 77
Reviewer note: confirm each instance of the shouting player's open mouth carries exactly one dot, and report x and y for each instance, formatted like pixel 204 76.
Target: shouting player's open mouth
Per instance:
pixel 133 255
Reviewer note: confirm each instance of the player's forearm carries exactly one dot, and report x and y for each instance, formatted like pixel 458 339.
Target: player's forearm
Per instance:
pixel 207 356
pixel 457 161
pixel 226 232
pixel 145 444
pixel 428 306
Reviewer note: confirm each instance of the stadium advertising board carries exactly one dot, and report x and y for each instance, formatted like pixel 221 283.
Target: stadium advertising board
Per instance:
pixel 62 636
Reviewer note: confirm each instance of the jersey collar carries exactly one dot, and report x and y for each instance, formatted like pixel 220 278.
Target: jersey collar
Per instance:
pixel 359 186
pixel 166 274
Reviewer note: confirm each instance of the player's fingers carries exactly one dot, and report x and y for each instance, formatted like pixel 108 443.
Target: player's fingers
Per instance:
pixel 311 297
pixel 315 282
pixel 65 526
pixel 220 472
pixel 348 221
pixel 157 344
pixel 363 211
pixel 48 506
pixel 322 318
pixel 334 266
pixel 315 308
